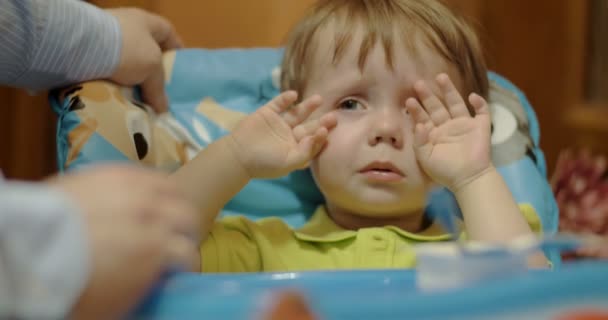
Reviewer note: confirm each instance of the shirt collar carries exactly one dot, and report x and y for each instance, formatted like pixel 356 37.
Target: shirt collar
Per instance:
pixel 321 228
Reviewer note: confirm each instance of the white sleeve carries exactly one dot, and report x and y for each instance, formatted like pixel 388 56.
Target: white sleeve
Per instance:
pixel 44 258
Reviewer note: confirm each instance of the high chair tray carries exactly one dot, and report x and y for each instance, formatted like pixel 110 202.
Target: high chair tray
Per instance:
pixel 572 292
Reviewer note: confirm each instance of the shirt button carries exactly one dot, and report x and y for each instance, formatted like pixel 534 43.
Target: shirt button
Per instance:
pixel 379 243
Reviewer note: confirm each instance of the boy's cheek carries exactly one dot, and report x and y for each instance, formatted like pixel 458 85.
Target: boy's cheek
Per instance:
pixel 417 177
pixel 314 168
pixel 427 181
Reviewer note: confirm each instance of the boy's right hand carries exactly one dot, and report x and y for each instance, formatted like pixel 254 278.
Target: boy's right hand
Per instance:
pixel 279 138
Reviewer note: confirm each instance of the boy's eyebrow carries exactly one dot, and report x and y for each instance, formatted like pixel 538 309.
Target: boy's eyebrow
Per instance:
pixel 344 86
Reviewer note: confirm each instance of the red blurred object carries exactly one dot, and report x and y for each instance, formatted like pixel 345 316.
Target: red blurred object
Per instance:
pixel 585 315
pixel 580 185
pixel 290 306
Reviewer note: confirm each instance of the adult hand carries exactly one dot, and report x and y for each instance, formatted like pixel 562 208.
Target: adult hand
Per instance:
pixel 138 226
pixel 144 37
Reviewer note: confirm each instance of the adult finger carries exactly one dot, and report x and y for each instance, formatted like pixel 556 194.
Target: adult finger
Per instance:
pixel 179 217
pixel 153 90
pixel 181 254
pixel 163 32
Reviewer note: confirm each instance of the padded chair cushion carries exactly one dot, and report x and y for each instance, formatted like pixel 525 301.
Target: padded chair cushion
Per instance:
pixel 211 90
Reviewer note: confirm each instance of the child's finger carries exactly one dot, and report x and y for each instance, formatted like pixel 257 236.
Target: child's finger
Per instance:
pixel 283 101
pixel 329 120
pixel 433 106
pixel 456 105
pixel 320 140
pixel 479 104
pixel 421 134
pixel 308 148
pixel 416 111
pixel 300 157
pixel 310 127
pixel 306 129
pixel 302 111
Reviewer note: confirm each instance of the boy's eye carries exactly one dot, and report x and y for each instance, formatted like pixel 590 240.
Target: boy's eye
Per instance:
pixel 350 104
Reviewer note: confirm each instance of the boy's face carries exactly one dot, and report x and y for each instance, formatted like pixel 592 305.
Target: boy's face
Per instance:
pixel 368 167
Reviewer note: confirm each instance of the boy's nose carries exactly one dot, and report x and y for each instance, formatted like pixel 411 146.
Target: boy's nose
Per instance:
pixel 387 127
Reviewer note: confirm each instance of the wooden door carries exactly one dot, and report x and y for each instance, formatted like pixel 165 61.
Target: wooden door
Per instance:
pixel 27 135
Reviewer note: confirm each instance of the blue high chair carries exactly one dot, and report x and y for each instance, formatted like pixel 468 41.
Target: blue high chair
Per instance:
pixel 209 92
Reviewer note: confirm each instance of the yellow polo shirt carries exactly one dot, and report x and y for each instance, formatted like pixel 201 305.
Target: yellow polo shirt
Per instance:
pixel 237 244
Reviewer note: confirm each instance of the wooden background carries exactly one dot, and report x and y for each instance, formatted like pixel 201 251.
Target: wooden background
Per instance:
pixel 541 45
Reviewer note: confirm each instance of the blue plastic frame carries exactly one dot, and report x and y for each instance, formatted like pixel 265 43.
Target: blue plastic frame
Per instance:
pixel 380 294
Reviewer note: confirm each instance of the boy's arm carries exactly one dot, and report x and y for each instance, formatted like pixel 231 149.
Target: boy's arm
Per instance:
pixel 490 212
pixel 269 143
pixel 492 215
pixel 453 148
pixel 211 179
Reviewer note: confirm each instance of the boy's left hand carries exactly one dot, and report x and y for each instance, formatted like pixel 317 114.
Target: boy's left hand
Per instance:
pixel 452 146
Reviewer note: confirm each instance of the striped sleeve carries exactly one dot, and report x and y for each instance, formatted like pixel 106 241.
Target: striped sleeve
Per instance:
pixel 49 43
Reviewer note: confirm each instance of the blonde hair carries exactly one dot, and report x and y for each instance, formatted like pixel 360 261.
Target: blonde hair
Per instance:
pixel 446 32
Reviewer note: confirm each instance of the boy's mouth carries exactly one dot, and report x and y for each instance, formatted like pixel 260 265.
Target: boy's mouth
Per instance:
pixel 382 171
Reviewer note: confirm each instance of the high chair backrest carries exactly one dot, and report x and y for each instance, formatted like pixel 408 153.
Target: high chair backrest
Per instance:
pixel 211 90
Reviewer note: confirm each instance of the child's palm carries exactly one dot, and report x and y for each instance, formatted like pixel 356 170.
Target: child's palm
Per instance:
pixel 462 144
pixel 274 140
pixel 451 146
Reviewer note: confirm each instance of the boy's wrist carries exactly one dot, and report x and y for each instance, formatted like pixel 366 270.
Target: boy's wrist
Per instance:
pixel 461 186
pixel 235 154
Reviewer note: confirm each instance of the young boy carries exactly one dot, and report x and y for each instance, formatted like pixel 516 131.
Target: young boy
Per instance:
pixel 382 119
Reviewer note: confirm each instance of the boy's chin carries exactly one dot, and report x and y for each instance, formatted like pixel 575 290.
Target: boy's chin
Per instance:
pixel 392 214
pixel 380 203
pixel 388 210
